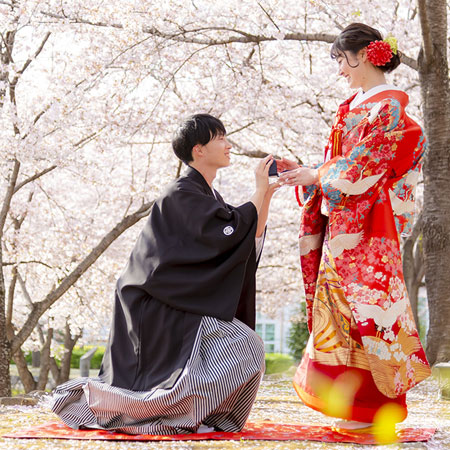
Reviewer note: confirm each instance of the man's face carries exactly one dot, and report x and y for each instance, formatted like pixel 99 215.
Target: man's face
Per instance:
pixel 216 152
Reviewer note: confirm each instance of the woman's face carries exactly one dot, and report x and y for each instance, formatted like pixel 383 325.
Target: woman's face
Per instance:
pixel 352 67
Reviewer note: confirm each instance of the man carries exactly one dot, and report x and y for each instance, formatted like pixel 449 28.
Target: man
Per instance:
pixel 182 356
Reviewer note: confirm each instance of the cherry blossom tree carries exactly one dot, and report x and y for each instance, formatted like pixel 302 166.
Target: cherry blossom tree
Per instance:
pixel 434 80
pixel 90 93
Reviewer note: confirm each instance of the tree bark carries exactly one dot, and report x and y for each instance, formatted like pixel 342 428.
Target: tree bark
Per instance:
pixel 433 72
pixel 5 358
pixel 26 377
pixel 5 344
pixel 61 374
pixel 45 361
pixel 413 266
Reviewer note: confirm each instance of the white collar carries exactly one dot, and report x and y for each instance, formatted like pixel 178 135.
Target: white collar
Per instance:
pixel 363 96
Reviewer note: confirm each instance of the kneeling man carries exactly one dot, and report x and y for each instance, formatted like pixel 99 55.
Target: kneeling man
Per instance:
pixel 182 356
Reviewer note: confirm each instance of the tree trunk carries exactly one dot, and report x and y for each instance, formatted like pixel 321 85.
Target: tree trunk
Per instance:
pixel 5 359
pixel 413 266
pixel 26 377
pixel 61 374
pixel 55 371
pixel 410 275
pixel 5 343
pixel 45 361
pixel 433 72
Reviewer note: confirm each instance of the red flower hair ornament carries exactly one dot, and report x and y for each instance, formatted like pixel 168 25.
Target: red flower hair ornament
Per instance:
pixel 380 53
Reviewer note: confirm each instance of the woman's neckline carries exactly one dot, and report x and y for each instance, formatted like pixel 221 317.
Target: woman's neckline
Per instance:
pixel 362 96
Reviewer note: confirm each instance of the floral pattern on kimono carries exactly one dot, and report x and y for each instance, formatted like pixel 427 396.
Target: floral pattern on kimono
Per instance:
pixel 367 188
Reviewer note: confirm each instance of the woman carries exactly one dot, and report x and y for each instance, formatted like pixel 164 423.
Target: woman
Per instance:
pixel 364 352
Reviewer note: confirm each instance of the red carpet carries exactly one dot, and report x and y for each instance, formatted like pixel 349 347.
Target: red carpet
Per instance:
pixel 252 431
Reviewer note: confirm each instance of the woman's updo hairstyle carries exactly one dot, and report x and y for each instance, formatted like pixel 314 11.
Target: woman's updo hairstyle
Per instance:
pixel 357 36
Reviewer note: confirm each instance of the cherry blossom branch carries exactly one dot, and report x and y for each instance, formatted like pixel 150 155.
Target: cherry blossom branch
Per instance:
pixel 239 36
pixel 179 167
pixel 297 158
pixel 34 177
pixel 77 85
pixel 39 308
pixel 31 261
pixel 408 61
pixel 5 59
pixel 166 86
pixel 8 42
pixel 48 106
pixel 13 83
pixel 249 153
pixel 9 194
pixel 242 128
pixel 183 34
pixel 269 16
pixel 30 60
pixel 252 153
pixel 24 289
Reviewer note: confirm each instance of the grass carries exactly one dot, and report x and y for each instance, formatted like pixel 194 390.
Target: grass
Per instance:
pixel 278 363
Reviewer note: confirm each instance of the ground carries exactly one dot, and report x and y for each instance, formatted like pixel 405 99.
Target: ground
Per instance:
pixel 276 401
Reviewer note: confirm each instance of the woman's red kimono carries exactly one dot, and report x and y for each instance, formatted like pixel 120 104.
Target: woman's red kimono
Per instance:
pixel 364 350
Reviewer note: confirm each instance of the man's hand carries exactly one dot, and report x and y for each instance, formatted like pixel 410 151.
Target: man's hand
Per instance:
pixel 264 212
pixel 273 187
pixel 262 174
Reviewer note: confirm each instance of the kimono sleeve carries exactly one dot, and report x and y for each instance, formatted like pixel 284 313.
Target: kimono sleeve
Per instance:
pixel 213 227
pixel 193 252
pixel 355 179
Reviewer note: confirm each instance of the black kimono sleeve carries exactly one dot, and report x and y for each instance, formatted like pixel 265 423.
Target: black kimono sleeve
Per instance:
pixel 193 252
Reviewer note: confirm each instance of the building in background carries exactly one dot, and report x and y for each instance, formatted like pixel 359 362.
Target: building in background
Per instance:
pixel 274 331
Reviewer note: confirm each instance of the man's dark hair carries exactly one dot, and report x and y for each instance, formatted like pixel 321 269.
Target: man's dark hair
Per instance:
pixel 196 129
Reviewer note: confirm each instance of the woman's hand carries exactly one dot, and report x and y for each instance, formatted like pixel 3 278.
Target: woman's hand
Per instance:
pixel 302 176
pixel 286 164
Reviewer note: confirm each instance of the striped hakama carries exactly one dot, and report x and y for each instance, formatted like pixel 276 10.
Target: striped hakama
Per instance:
pixel 217 388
